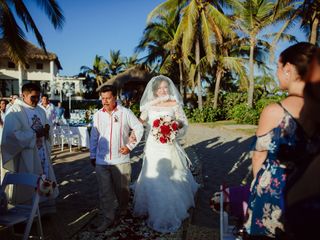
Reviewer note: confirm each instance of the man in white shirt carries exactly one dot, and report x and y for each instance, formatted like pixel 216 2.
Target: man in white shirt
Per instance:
pixel 3 104
pixel 109 153
pixel 49 108
pixel 12 99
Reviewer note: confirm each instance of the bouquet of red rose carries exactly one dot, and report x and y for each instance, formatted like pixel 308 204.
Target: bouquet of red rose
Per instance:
pixel 165 129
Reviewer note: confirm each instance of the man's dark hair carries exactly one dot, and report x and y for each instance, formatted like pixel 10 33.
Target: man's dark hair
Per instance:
pixel 4 100
pixel 45 95
pixel 29 87
pixel 108 88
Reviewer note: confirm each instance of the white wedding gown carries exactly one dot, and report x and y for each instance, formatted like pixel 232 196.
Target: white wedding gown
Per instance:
pixel 165 188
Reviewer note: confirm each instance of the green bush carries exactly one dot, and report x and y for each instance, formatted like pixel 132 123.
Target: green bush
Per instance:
pixel 241 113
pixel 263 102
pixel 188 112
pixel 135 108
pixel 206 114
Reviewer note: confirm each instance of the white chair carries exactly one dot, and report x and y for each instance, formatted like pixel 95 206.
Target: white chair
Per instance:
pixel 56 135
pixel 22 213
pixel 67 136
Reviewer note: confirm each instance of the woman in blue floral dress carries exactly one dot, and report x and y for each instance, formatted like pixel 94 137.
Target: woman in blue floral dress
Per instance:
pixel 277 130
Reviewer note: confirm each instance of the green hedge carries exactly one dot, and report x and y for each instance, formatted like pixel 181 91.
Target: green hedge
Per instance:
pixel 232 106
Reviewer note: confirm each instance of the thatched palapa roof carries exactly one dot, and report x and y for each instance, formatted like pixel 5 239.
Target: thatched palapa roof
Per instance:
pixel 33 52
pixel 134 74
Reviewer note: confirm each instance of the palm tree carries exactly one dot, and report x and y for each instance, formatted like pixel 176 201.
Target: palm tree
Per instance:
pixel 308 12
pixel 115 64
pixel 157 39
pixel 225 61
pixel 202 23
pixel 131 61
pixel 253 17
pixel 13 34
pixel 99 70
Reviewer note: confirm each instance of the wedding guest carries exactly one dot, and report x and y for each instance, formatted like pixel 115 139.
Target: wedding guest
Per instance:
pixel 302 196
pixel 12 100
pixel 278 141
pixel 109 154
pixel 49 109
pixel 60 113
pixel 3 105
pixel 25 143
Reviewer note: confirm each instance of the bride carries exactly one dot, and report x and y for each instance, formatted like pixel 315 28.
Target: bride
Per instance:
pixel 165 188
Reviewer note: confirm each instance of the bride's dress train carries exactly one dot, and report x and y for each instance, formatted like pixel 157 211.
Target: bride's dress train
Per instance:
pixel 165 188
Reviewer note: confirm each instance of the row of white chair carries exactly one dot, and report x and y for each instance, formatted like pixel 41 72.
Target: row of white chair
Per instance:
pixel 63 135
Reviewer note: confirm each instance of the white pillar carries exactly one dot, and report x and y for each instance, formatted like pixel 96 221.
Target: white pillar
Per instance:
pixel 51 79
pixel 20 78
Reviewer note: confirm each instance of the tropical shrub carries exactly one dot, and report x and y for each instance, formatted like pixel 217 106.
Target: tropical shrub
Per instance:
pixel 135 108
pixel 206 114
pixel 241 113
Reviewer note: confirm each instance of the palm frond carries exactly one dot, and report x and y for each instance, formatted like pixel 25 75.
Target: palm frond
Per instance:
pixel 206 39
pixel 12 34
pixel 27 20
pixel 53 11
pixel 163 8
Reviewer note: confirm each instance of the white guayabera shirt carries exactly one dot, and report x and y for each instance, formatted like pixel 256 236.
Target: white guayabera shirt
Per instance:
pixel 110 132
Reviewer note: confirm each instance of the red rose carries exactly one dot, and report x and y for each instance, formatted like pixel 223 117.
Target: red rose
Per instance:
pixel 174 126
pixel 163 140
pixel 156 123
pixel 46 184
pixel 165 130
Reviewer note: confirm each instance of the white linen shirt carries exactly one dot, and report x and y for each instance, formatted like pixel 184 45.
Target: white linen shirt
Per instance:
pixel 50 111
pixel 110 132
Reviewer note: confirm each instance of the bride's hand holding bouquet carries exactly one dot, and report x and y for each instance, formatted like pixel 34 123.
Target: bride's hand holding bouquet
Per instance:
pixel 165 129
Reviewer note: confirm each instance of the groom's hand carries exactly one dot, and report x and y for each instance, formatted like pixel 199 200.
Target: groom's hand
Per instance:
pixel 124 150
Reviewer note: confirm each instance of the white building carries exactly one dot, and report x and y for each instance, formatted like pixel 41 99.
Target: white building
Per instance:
pixel 42 68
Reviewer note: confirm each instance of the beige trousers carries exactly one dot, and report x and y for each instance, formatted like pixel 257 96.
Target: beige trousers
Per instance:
pixel 114 193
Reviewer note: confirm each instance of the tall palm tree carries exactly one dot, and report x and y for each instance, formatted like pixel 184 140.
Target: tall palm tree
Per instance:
pixel 308 12
pixel 202 23
pixel 98 70
pixel 115 64
pixel 157 39
pixel 225 61
pixel 11 31
pixel 252 18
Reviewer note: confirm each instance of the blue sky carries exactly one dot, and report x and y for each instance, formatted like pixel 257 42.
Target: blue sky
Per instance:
pixel 93 27
pixel 96 27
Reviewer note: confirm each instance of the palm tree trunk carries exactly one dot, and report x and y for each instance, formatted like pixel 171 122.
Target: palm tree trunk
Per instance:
pixel 314 31
pixel 99 80
pixel 198 73
pixel 217 87
pixel 251 73
pixel 181 79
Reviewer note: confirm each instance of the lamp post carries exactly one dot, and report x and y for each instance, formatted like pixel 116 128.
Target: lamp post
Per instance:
pixel 68 90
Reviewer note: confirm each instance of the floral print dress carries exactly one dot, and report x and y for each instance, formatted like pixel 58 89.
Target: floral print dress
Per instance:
pixel 266 201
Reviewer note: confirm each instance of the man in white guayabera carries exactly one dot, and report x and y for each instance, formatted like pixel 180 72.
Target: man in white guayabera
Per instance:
pixel 109 154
